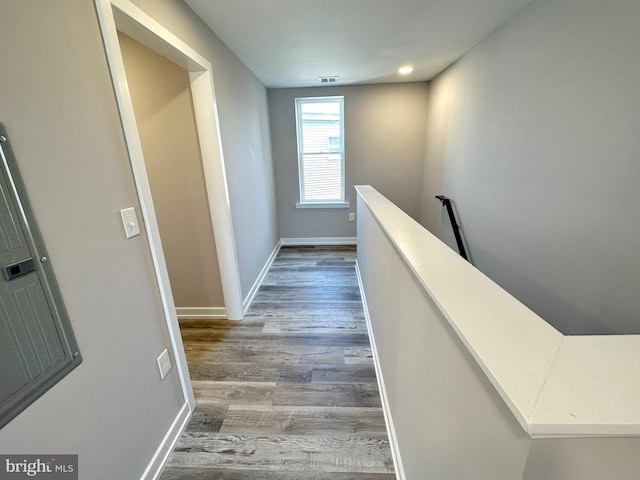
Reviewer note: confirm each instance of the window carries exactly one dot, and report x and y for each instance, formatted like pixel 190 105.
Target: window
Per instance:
pixel 320 129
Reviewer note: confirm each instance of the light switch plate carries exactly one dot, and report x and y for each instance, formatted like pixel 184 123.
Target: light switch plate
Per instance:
pixel 130 222
pixel 164 363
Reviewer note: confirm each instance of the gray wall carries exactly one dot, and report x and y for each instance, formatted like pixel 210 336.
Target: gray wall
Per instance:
pixel 59 106
pixel 384 147
pixel 244 124
pixel 584 459
pixel 534 134
pixel 161 96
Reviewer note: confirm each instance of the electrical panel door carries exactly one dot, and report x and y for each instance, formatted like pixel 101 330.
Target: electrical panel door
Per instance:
pixel 37 346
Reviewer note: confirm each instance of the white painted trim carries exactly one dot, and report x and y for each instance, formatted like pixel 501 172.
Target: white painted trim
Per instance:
pixel 201 312
pixel 140 26
pixel 106 16
pixel 295 242
pixel 216 182
pixel 159 459
pixel 323 205
pixel 115 14
pixel 386 409
pixel 260 279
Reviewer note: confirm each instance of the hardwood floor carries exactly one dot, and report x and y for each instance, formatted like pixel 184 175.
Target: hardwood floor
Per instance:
pixel 290 392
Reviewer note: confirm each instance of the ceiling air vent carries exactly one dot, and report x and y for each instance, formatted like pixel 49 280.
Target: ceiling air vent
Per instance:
pixel 328 79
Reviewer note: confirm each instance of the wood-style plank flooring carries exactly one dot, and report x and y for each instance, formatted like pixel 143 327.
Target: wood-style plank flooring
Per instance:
pixel 290 392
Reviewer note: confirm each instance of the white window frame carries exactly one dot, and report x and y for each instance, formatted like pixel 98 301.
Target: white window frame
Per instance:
pixel 331 203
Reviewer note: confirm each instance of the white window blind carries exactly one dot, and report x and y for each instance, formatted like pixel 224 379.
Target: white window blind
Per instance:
pixel 320 149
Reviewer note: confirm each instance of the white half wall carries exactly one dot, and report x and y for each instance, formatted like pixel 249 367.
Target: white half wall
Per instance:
pixel 476 385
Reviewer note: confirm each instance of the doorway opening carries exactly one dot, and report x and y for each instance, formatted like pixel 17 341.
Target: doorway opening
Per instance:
pixel 121 15
pixel 161 95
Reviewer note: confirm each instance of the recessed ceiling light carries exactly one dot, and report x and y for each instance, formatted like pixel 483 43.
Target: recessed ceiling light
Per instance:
pixel 405 70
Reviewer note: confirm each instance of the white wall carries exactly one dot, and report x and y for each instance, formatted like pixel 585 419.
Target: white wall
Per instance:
pixel 244 124
pixel 384 146
pixel 534 135
pixel 59 107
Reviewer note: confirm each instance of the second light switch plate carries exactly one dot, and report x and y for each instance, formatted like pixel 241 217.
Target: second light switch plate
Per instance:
pixel 130 222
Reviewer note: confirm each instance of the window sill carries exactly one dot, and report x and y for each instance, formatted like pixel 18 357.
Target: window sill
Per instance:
pixel 323 205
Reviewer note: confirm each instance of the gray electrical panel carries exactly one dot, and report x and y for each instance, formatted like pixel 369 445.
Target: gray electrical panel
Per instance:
pixel 37 345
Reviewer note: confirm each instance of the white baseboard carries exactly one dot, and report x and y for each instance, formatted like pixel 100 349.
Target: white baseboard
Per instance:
pixel 290 242
pixel 201 312
pixel 393 439
pixel 159 460
pixel 256 285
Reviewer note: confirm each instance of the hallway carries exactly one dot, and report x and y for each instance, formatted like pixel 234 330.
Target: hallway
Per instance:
pixel 290 392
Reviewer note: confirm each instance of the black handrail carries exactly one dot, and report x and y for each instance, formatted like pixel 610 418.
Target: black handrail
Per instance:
pixel 456 229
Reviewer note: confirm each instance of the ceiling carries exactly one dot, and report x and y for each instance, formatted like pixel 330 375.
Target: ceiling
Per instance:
pixel 290 43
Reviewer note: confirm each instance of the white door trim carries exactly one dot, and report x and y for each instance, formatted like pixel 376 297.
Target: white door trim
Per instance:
pixel 122 15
